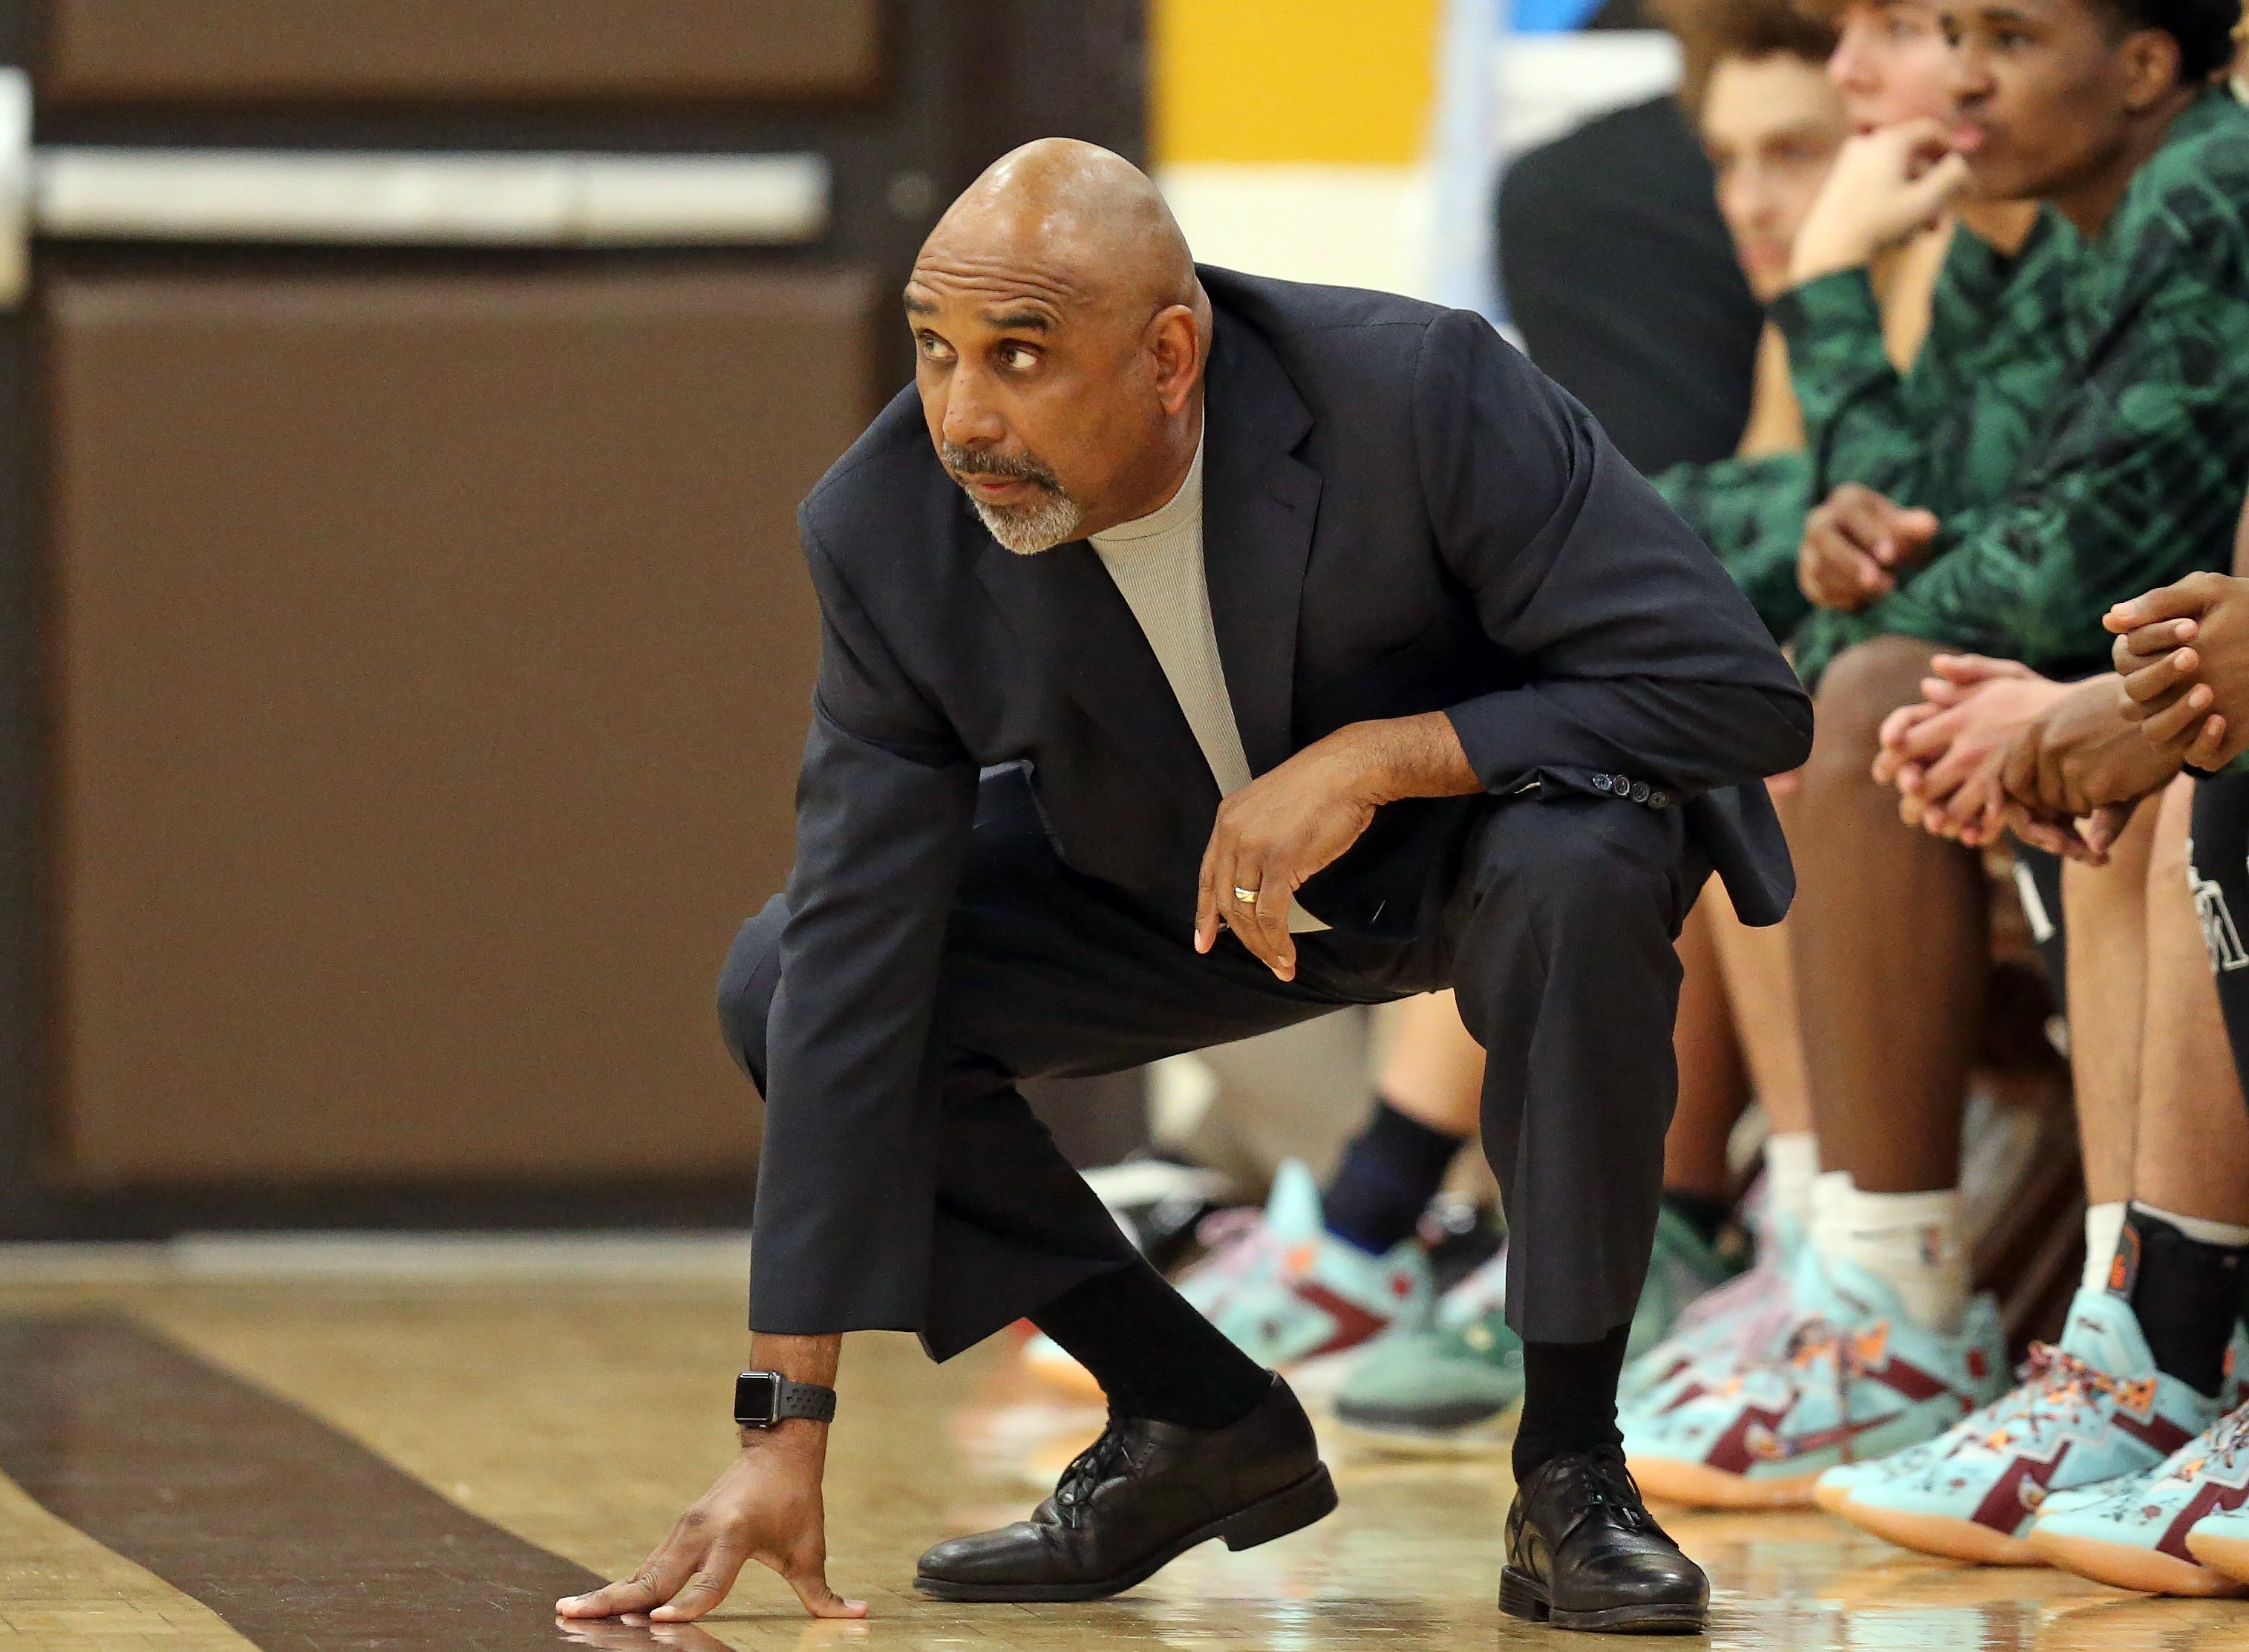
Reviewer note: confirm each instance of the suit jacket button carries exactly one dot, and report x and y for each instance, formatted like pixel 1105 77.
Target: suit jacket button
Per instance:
pixel 1640 791
pixel 1601 782
pixel 1659 800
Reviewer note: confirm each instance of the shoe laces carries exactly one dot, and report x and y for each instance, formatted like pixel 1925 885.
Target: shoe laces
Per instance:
pixel 1088 1469
pixel 1233 1241
pixel 2227 1443
pixel 1605 1482
pixel 2054 1380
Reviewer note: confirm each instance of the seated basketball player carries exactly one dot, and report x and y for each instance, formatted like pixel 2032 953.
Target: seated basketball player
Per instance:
pixel 1293 647
pixel 2103 111
pixel 2141 1364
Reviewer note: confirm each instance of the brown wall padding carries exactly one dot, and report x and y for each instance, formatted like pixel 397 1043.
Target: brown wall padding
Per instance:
pixel 109 51
pixel 431 660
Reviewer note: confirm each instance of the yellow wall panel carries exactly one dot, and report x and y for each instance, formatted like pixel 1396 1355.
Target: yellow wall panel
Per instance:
pixel 1347 81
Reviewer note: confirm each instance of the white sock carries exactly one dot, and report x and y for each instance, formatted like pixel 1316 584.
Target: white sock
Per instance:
pixel 1831 1195
pixel 1914 1243
pixel 2104 1222
pixel 2201 1229
pixel 1791 1161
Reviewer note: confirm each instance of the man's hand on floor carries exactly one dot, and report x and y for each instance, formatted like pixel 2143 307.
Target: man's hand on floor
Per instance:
pixel 1943 753
pixel 766 1507
pixel 1856 543
pixel 1274 833
pixel 2190 700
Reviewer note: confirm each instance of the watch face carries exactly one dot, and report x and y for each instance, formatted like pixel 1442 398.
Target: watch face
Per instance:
pixel 757 1398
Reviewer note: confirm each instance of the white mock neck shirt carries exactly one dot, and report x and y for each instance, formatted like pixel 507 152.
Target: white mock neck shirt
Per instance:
pixel 1157 564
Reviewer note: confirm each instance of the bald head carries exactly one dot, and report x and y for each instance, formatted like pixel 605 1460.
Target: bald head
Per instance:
pixel 1062 334
pixel 1074 216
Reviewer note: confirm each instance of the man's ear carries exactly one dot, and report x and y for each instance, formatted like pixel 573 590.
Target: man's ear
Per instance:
pixel 2151 68
pixel 1176 344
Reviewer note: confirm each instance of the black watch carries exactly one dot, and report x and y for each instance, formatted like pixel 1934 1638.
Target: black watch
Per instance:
pixel 763 1397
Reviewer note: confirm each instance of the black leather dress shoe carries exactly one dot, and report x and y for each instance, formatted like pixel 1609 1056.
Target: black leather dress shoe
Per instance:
pixel 1583 1553
pixel 1138 1497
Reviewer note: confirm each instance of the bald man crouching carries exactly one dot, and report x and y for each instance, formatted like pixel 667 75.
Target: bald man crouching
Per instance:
pixel 1202 654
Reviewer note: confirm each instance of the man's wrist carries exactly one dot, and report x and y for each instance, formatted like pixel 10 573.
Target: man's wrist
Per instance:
pixel 1419 756
pixel 789 1434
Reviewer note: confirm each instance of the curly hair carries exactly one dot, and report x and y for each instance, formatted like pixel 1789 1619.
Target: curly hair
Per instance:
pixel 2204 30
pixel 1711 29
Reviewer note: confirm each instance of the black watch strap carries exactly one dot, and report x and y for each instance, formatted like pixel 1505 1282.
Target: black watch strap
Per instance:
pixel 764 1398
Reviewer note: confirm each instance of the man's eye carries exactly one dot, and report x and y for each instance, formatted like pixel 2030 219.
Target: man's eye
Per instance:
pixel 1016 359
pixel 935 348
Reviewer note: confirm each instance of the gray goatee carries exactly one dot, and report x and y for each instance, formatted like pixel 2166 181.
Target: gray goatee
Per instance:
pixel 1049 521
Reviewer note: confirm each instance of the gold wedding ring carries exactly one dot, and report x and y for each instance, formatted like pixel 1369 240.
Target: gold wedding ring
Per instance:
pixel 1247 897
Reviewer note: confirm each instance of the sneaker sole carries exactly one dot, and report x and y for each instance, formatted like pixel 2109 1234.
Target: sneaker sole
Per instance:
pixel 2127 1567
pixel 1703 1487
pixel 1942 1534
pixel 1829 1498
pixel 1291 1509
pixel 1519 1597
pixel 2229 1556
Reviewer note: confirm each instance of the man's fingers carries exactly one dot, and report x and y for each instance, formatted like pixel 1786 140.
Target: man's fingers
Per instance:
pixel 2101 829
pixel 1894 725
pixel 1208 907
pixel 644 1589
pixel 1241 916
pixel 2207 749
pixel 2041 834
pixel 710 1584
pixel 1269 918
pixel 1967 670
pixel 2149 641
pixel 2175 722
pixel 2147 685
pixel 2188 599
pixel 809 1577
pixel 1931 191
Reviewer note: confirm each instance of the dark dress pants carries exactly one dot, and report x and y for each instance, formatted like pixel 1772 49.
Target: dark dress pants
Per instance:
pixel 1559 941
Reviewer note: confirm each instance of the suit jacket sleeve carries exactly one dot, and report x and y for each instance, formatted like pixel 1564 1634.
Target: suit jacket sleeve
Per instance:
pixel 885 803
pixel 1641 658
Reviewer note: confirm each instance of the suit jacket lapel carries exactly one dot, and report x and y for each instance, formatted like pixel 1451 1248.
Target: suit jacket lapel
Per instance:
pixel 1070 615
pixel 1259 506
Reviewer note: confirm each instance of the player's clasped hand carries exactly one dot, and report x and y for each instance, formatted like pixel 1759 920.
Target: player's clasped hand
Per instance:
pixel 2164 683
pixel 1854 544
pixel 766 1507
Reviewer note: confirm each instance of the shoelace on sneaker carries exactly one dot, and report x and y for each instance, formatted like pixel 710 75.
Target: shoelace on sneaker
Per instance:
pixel 2051 1379
pixel 2227 1443
pixel 1234 1242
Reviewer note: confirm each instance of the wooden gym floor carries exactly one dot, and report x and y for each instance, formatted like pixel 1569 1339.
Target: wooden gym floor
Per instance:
pixel 307 1450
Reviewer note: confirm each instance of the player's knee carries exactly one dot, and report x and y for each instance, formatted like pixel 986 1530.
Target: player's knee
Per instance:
pixel 747 985
pixel 1864 686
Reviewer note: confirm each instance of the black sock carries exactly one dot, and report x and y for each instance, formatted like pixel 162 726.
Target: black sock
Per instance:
pixel 1569 1399
pixel 2184 1293
pixel 1389 1173
pixel 1152 1354
pixel 1706 1215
